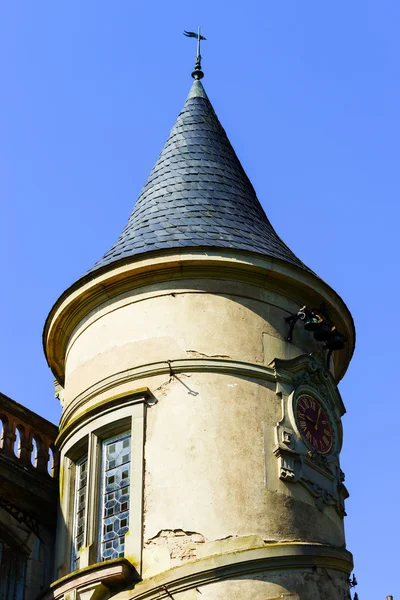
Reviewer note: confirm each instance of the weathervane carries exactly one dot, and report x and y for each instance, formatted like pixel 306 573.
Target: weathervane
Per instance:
pixel 197 73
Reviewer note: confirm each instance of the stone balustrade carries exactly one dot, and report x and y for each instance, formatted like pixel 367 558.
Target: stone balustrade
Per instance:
pixel 27 437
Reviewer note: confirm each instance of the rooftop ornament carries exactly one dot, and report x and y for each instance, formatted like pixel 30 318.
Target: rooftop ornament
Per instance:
pixel 197 73
pixel 317 321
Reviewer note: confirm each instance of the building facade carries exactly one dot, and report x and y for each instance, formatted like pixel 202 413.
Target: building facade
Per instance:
pixel 197 366
pixel 28 501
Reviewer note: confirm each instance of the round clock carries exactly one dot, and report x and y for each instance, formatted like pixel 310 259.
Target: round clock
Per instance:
pixel 314 423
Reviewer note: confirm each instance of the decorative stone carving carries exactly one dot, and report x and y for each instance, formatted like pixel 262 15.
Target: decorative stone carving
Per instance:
pixel 287 438
pixel 20 516
pixel 59 392
pixel 321 460
pixel 322 497
pixel 308 371
pixel 298 463
pixel 314 378
pixel 287 463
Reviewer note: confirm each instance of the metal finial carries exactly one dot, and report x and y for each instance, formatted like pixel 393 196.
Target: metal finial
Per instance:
pixel 197 73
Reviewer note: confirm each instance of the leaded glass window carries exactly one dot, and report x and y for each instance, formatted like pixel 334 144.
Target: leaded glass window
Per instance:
pixel 114 516
pixel 79 510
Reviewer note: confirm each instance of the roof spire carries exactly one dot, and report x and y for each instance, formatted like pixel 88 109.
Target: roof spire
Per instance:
pixel 197 73
pixel 197 196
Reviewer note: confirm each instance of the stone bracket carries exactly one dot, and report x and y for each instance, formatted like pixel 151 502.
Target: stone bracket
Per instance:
pixel 293 468
pixel 97 582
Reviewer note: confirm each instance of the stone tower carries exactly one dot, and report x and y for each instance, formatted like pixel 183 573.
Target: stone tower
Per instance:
pixel 199 447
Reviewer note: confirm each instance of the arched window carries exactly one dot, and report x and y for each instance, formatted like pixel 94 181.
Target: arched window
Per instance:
pixel 3 429
pixel 50 464
pixel 19 440
pixel 34 455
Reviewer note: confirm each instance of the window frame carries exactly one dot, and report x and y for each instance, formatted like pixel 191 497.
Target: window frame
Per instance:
pixel 87 438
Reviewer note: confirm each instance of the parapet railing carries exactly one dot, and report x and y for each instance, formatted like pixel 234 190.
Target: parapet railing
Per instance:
pixel 27 437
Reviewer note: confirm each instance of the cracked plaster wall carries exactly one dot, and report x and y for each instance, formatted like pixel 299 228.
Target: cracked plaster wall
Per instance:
pixel 211 481
pixel 210 469
pixel 301 584
pixel 189 319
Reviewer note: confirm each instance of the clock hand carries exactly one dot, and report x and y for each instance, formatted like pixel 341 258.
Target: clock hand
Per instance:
pixel 309 419
pixel 318 416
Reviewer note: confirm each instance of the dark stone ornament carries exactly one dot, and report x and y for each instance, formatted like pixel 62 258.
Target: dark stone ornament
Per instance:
pixel 317 321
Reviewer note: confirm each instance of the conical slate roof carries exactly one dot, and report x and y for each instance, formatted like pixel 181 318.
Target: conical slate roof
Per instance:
pixel 198 195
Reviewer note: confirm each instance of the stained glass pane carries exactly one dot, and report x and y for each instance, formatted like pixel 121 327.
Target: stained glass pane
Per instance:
pixel 79 511
pixel 115 496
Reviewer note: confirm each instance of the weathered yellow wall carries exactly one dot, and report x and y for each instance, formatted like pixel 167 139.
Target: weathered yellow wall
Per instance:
pixel 184 320
pixel 210 469
pixel 211 484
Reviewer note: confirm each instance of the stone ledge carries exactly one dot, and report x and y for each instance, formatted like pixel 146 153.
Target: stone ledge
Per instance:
pixel 69 424
pixel 187 365
pixel 110 575
pixel 94 289
pixel 237 564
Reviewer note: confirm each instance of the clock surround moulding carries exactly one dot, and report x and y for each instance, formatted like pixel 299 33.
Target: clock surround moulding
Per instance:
pixel 298 462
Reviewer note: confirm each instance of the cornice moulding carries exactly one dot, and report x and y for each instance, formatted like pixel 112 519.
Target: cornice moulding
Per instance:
pixel 102 407
pixel 300 286
pixel 224 566
pixel 189 365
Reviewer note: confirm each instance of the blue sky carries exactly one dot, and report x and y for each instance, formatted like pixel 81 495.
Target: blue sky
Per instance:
pixel 309 95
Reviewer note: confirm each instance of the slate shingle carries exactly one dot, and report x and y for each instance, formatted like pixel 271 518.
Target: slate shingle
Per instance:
pixel 198 194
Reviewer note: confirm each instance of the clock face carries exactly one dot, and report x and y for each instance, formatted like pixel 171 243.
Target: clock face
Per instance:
pixel 314 423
